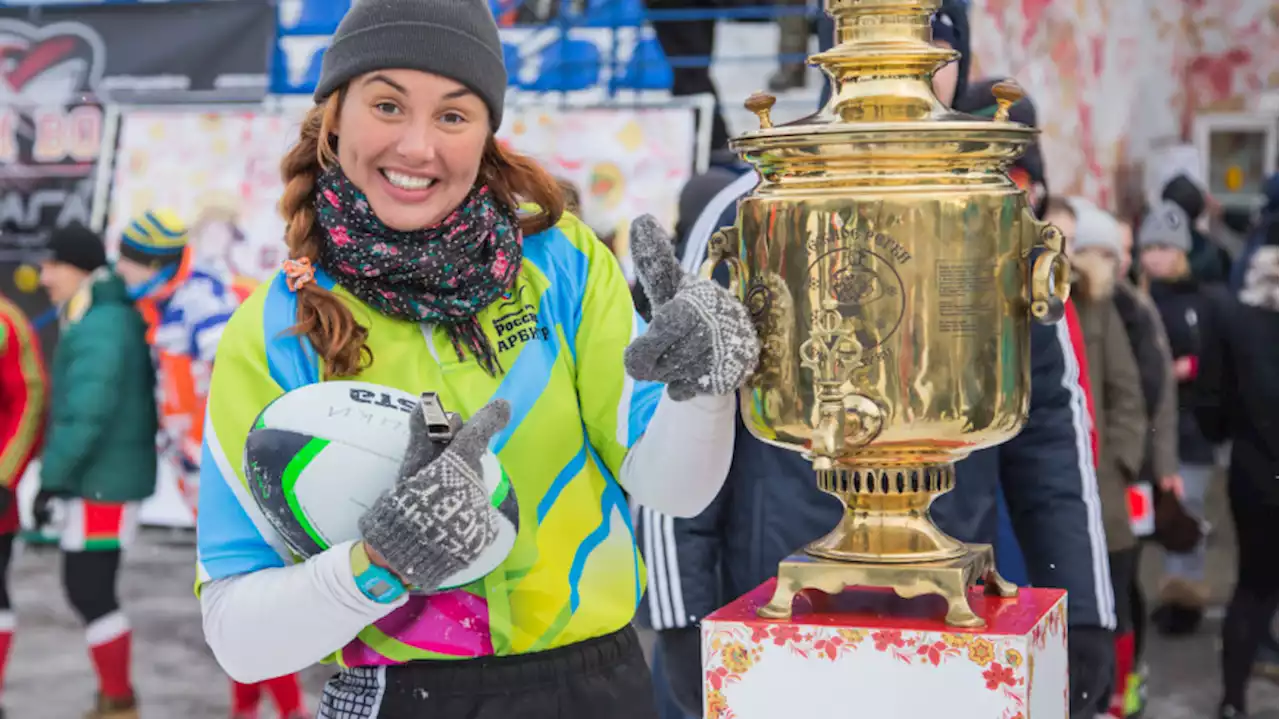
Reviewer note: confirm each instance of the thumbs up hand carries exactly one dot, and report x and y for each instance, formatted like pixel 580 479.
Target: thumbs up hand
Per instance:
pixel 701 340
pixel 438 518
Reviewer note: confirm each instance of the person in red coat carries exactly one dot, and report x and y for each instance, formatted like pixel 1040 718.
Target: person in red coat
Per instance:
pixel 22 403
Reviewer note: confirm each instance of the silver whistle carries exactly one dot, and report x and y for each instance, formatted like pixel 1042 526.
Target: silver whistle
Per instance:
pixel 441 425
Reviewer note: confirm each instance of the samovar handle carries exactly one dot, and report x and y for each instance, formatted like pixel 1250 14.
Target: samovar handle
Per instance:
pixel 1050 273
pixel 723 247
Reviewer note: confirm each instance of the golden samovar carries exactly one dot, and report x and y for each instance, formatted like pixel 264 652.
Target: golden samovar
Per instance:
pixel 892 270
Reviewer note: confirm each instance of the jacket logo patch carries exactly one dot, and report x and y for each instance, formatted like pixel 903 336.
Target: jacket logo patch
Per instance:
pixel 517 322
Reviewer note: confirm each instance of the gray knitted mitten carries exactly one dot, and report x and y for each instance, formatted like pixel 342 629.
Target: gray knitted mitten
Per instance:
pixel 438 517
pixel 701 340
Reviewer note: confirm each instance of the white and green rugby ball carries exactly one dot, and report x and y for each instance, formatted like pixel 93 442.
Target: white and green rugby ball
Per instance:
pixel 319 456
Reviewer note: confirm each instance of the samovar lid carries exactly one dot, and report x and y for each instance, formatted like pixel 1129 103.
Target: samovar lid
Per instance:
pixel 883 116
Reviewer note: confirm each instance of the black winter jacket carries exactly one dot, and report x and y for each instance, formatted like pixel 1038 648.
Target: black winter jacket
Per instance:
pixel 1235 393
pixel 1183 304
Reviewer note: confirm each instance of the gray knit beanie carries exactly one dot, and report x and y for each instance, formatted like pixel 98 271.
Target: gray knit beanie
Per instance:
pixel 457 39
pixel 1095 227
pixel 1166 226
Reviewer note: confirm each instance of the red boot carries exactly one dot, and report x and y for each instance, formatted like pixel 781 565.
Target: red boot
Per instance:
pixel 1124 667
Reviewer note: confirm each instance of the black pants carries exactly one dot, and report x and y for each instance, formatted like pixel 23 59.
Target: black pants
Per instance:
pixel 1124 571
pixel 1138 608
pixel 6 552
pixel 604 678
pixel 1253 604
pixel 89 579
pixel 691 40
pixel 682 661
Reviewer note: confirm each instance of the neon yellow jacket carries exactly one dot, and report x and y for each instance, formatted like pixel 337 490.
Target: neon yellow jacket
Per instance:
pixel 575 572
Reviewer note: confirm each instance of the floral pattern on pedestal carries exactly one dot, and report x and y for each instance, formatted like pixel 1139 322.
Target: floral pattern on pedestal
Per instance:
pixel 733 650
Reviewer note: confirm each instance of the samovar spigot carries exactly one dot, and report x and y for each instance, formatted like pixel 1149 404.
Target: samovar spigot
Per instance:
pixel 829 430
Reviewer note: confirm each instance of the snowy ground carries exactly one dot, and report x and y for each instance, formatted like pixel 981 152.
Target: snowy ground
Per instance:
pixel 49 674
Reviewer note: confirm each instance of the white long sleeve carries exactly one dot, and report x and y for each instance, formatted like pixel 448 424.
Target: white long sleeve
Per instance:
pixel 278 621
pixel 678 466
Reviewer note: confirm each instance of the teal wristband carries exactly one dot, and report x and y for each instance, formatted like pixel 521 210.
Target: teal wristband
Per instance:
pixel 376 583
pixel 379 585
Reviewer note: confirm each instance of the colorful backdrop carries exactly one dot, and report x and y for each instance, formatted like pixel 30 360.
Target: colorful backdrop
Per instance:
pixel 220 171
pixel 1120 79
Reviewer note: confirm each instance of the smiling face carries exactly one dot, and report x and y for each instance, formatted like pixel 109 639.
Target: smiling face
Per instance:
pixel 412 142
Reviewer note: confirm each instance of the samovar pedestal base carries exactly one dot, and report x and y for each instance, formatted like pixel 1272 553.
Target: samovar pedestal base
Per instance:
pixel 949 579
pixel 871 654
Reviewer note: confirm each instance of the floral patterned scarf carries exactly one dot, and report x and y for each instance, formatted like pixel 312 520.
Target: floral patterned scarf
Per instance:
pixel 444 274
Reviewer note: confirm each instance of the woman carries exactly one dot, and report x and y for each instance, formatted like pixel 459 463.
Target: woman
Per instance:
pixel 1237 400
pixel 1164 242
pixel 1093 238
pixel 429 278
pixel 1159 471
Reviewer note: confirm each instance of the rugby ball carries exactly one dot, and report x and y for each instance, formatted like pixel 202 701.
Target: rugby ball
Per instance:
pixel 319 456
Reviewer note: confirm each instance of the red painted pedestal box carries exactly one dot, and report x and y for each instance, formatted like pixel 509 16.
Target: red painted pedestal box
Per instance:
pixel 868 653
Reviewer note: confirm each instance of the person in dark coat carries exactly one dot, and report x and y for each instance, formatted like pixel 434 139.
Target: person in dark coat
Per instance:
pixel 1165 246
pixel 770 506
pixel 1119 406
pixel 1235 398
pixel 1262 235
pixel 1208 261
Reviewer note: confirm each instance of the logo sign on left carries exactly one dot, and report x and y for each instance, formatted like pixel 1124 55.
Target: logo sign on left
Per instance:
pixel 51 126
pixel 52 65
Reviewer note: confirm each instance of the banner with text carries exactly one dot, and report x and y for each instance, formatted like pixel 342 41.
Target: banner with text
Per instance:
pixel 136 52
pixel 48 156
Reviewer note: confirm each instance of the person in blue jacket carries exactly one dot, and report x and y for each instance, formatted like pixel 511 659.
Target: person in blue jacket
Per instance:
pixel 770 505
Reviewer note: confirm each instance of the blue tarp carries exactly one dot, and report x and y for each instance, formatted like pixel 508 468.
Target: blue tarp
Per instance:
pixel 601 47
